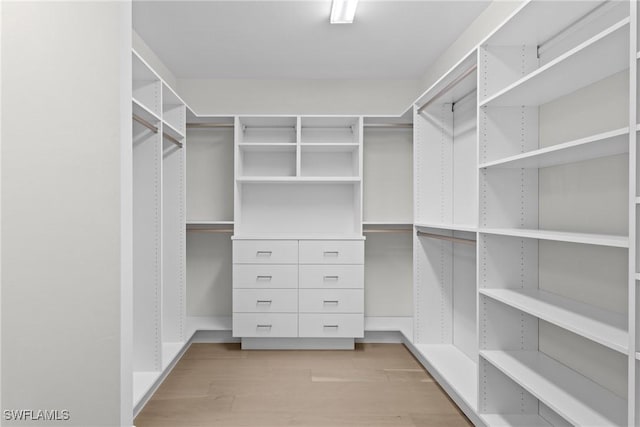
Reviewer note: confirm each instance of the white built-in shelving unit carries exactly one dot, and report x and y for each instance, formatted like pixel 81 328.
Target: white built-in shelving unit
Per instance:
pixel 159 127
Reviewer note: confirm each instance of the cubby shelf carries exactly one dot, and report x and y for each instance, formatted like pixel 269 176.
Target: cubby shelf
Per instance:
pixel 453 227
pixel 172 131
pixel 561 236
pixel 595 146
pixel 452 368
pixel 142 111
pixel 268 147
pixel 513 420
pixel 569 72
pixel 299 179
pixel 578 399
pixel 604 327
pixel 329 147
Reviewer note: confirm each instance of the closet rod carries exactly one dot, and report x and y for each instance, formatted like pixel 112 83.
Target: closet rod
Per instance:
pixel 575 25
pixel 172 139
pixel 448 87
pixel 145 123
pixel 447 238
pixel 209 125
pixel 463 97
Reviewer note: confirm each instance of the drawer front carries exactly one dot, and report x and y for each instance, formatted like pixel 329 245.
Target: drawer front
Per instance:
pixel 265 300
pixel 265 325
pixel 331 325
pixel 331 276
pixel 331 252
pixel 265 251
pixel 265 276
pixel 331 301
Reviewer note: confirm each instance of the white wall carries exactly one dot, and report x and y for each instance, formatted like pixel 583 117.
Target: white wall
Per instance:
pixel 64 114
pixel 245 96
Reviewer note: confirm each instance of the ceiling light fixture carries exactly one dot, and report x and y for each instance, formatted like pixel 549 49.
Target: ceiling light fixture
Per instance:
pixel 343 11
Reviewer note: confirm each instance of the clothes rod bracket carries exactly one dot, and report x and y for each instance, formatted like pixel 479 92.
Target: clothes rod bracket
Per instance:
pixel 448 87
pixel 145 123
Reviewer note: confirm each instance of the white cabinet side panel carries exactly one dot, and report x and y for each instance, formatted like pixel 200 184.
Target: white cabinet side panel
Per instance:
pixel 388 275
pixel 388 175
pixel 210 174
pixel 209 266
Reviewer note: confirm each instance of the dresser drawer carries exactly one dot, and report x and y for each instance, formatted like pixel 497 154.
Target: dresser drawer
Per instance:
pixel 331 325
pixel 331 276
pixel 331 301
pixel 265 251
pixel 331 252
pixel 265 325
pixel 265 276
pixel 265 301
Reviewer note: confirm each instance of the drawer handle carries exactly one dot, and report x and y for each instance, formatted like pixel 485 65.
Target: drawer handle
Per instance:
pixel 330 278
pixel 264 253
pixel 264 277
pixel 263 326
pixel 335 301
pixel 331 253
pixel 263 301
pixel 330 326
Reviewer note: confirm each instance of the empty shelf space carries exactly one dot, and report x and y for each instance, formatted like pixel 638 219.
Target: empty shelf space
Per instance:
pixel 268 147
pixel 298 179
pixel 169 352
pixel 604 327
pixel 571 71
pixel 562 236
pixel 592 147
pixel 207 323
pixel 512 420
pixel 453 227
pixel 329 147
pixel 573 396
pixel 144 112
pixel 142 383
pixel 450 365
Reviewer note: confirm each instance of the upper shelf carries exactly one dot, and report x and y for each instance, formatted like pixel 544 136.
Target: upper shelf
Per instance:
pixel 592 147
pixel 453 227
pixel 602 55
pixel 142 111
pixel 562 236
pixel 298 179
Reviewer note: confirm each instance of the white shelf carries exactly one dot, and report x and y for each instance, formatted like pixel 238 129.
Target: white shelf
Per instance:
pixel 404 325
pixel 511 420
pixel 297 236
pixel 637 355
pixel 207 222
pixel 299 179
pixel 573 396
pixel 561 236
pixel 569 72
pixel 592 147
pixel 604 327
pixel 208 323
pixel 447 363
pixel 388 223
pixel 637 276
pixel 169 352
pixel 333 147
pixel 172 131
pixel 210 225
pixel 270 147
pixel 142 383
pixel 452 227
pixel 141 110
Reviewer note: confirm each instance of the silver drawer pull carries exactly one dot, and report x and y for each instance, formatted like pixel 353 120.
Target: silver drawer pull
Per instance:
pixel 330 301
pixel 264 253
pixel 264 277
pixel 263 326
pixel 330 277
pixel 331 253
pixel 263 301
pixel 330 326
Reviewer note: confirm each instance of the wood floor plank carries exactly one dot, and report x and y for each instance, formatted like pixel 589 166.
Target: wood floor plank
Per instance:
pixel 374 385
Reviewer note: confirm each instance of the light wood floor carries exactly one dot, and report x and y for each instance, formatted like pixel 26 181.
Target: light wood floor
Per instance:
pixel 375 385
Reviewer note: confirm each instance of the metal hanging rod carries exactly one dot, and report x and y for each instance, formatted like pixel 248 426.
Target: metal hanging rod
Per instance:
pixel 463 97
pixel 209 125
pixel 172 139
pixel 245 127
pixel 574 26
pixel 449 86
pixel 447 238
pixel 389 125
pixel 145 123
